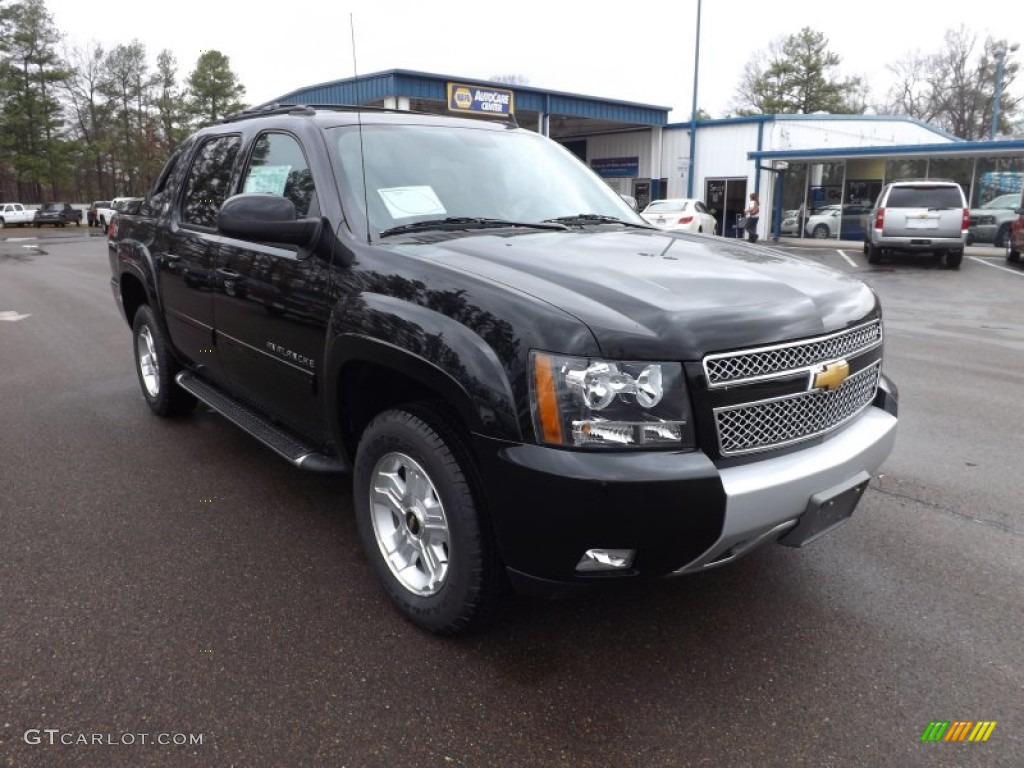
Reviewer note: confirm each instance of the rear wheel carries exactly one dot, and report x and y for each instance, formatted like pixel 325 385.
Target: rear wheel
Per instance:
pixel 157 368
pixel 953 259
pixel 1012 254
pixel 821 232
pixel 874 253
pixel 420 523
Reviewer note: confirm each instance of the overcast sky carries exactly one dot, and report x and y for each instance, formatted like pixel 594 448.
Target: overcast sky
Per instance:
pixel 641 52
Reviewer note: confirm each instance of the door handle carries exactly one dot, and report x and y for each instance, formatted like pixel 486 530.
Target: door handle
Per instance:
pixel 228 273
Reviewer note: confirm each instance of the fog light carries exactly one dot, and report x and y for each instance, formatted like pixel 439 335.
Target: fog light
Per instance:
pixel 605 560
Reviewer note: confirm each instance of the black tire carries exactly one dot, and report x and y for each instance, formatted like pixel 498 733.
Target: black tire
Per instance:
pixel 821 232
pixel 103 221
pixel 1002 237
pixel 1012 255
pixel 953 259
pixel 156 367
pixel 874 254
pixel 462 592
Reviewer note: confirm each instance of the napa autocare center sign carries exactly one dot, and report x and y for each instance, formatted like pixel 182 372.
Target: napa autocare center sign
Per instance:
pixel 473 98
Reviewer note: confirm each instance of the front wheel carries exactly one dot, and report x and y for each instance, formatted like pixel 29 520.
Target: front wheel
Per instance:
pixel 420 521
pixel 156 367
pixel 1002 238
pixel 1012 254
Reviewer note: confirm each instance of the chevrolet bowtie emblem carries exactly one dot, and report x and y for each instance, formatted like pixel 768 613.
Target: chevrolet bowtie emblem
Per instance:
pixel 831 376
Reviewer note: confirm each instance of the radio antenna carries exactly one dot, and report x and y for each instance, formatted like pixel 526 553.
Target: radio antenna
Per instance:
pixel 359 122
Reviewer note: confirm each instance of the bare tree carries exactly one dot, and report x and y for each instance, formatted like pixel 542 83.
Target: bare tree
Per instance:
pixel 88 113
pixel 954 88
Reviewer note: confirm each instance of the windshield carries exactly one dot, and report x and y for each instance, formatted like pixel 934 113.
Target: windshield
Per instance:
pixel 420 173
pixel 1003 201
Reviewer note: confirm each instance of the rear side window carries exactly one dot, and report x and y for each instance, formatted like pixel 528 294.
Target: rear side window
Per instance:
pixel 209 180
pixel 925 197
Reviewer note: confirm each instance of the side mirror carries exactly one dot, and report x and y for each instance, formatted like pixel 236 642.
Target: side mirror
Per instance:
pixel 265 219
pixel 630 201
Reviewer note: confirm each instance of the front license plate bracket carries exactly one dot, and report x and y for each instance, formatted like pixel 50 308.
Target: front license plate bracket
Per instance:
pixel 827 510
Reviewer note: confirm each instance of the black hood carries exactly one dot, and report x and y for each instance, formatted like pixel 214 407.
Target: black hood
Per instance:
pixel 647 294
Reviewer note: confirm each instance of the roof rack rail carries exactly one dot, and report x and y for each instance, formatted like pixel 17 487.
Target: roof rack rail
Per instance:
pixel 308 110
pixel 278 108
pixel 933 178
pixel 268 109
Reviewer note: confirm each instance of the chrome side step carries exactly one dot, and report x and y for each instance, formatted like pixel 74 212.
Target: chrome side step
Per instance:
pixel 274 437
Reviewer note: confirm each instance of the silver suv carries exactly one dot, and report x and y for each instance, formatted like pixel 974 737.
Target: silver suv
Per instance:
pixel 919 215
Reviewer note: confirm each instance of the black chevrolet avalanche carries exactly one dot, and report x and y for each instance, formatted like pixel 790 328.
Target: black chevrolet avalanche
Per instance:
pixel 527 383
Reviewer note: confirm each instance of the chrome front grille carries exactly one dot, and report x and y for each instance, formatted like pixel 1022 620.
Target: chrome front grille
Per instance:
pixel 766 424
pixel 732 368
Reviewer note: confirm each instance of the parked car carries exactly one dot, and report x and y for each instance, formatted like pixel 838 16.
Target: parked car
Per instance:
pixel 92 214
pixel 917 216
pixel 680 215
pixel 1015 239
pixel 845 222
pixel 105 214
pixel 990 223
pixel 57 214
pixel 526 382
pixel 790 224
pixel 15 214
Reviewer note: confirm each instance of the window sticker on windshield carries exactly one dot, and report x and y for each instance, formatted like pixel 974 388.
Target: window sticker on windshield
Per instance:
pixel 267 179
pixel 411 201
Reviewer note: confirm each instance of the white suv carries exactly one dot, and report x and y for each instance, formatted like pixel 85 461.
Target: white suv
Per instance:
pixel 919 215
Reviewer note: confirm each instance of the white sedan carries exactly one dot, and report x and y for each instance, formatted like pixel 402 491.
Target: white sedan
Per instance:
pixel 680 215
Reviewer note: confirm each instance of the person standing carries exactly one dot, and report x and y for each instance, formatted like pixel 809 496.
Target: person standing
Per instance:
pixel 752 213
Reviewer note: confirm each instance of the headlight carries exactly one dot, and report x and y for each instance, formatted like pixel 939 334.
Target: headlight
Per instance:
pixel 600 403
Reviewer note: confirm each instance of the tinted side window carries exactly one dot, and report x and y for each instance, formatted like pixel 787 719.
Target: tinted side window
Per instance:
pixel 925 197
pixel 278 167
pixel 159 197
pixel 206 187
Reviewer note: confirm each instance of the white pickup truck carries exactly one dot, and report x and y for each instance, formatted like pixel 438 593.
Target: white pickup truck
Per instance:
pixel 12 214
pixel 104 215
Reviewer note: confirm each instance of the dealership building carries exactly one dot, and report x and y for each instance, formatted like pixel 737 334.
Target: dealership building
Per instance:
pixel 822 162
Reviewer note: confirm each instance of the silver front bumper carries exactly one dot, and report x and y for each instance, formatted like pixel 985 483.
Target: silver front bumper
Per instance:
pixel 764 499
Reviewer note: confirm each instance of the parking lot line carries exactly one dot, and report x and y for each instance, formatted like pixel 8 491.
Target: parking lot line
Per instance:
pixel 1016 272
pixel 848 259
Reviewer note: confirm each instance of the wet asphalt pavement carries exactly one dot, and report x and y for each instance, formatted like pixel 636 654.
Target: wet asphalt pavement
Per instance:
pixel 174 580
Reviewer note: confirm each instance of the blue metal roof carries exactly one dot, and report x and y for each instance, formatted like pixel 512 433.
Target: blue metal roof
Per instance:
pixel 969 148
pixel 433 87
pixel 796 118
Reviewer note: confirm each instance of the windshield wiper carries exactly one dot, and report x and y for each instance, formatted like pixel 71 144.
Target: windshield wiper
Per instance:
pixel 468 222
pixel 580 219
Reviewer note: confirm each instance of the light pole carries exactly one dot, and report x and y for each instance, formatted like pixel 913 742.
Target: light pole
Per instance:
pixel 999 52
pixel 693 111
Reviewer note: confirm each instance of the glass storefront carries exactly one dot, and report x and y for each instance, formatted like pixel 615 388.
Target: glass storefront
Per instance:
pixel 832 200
